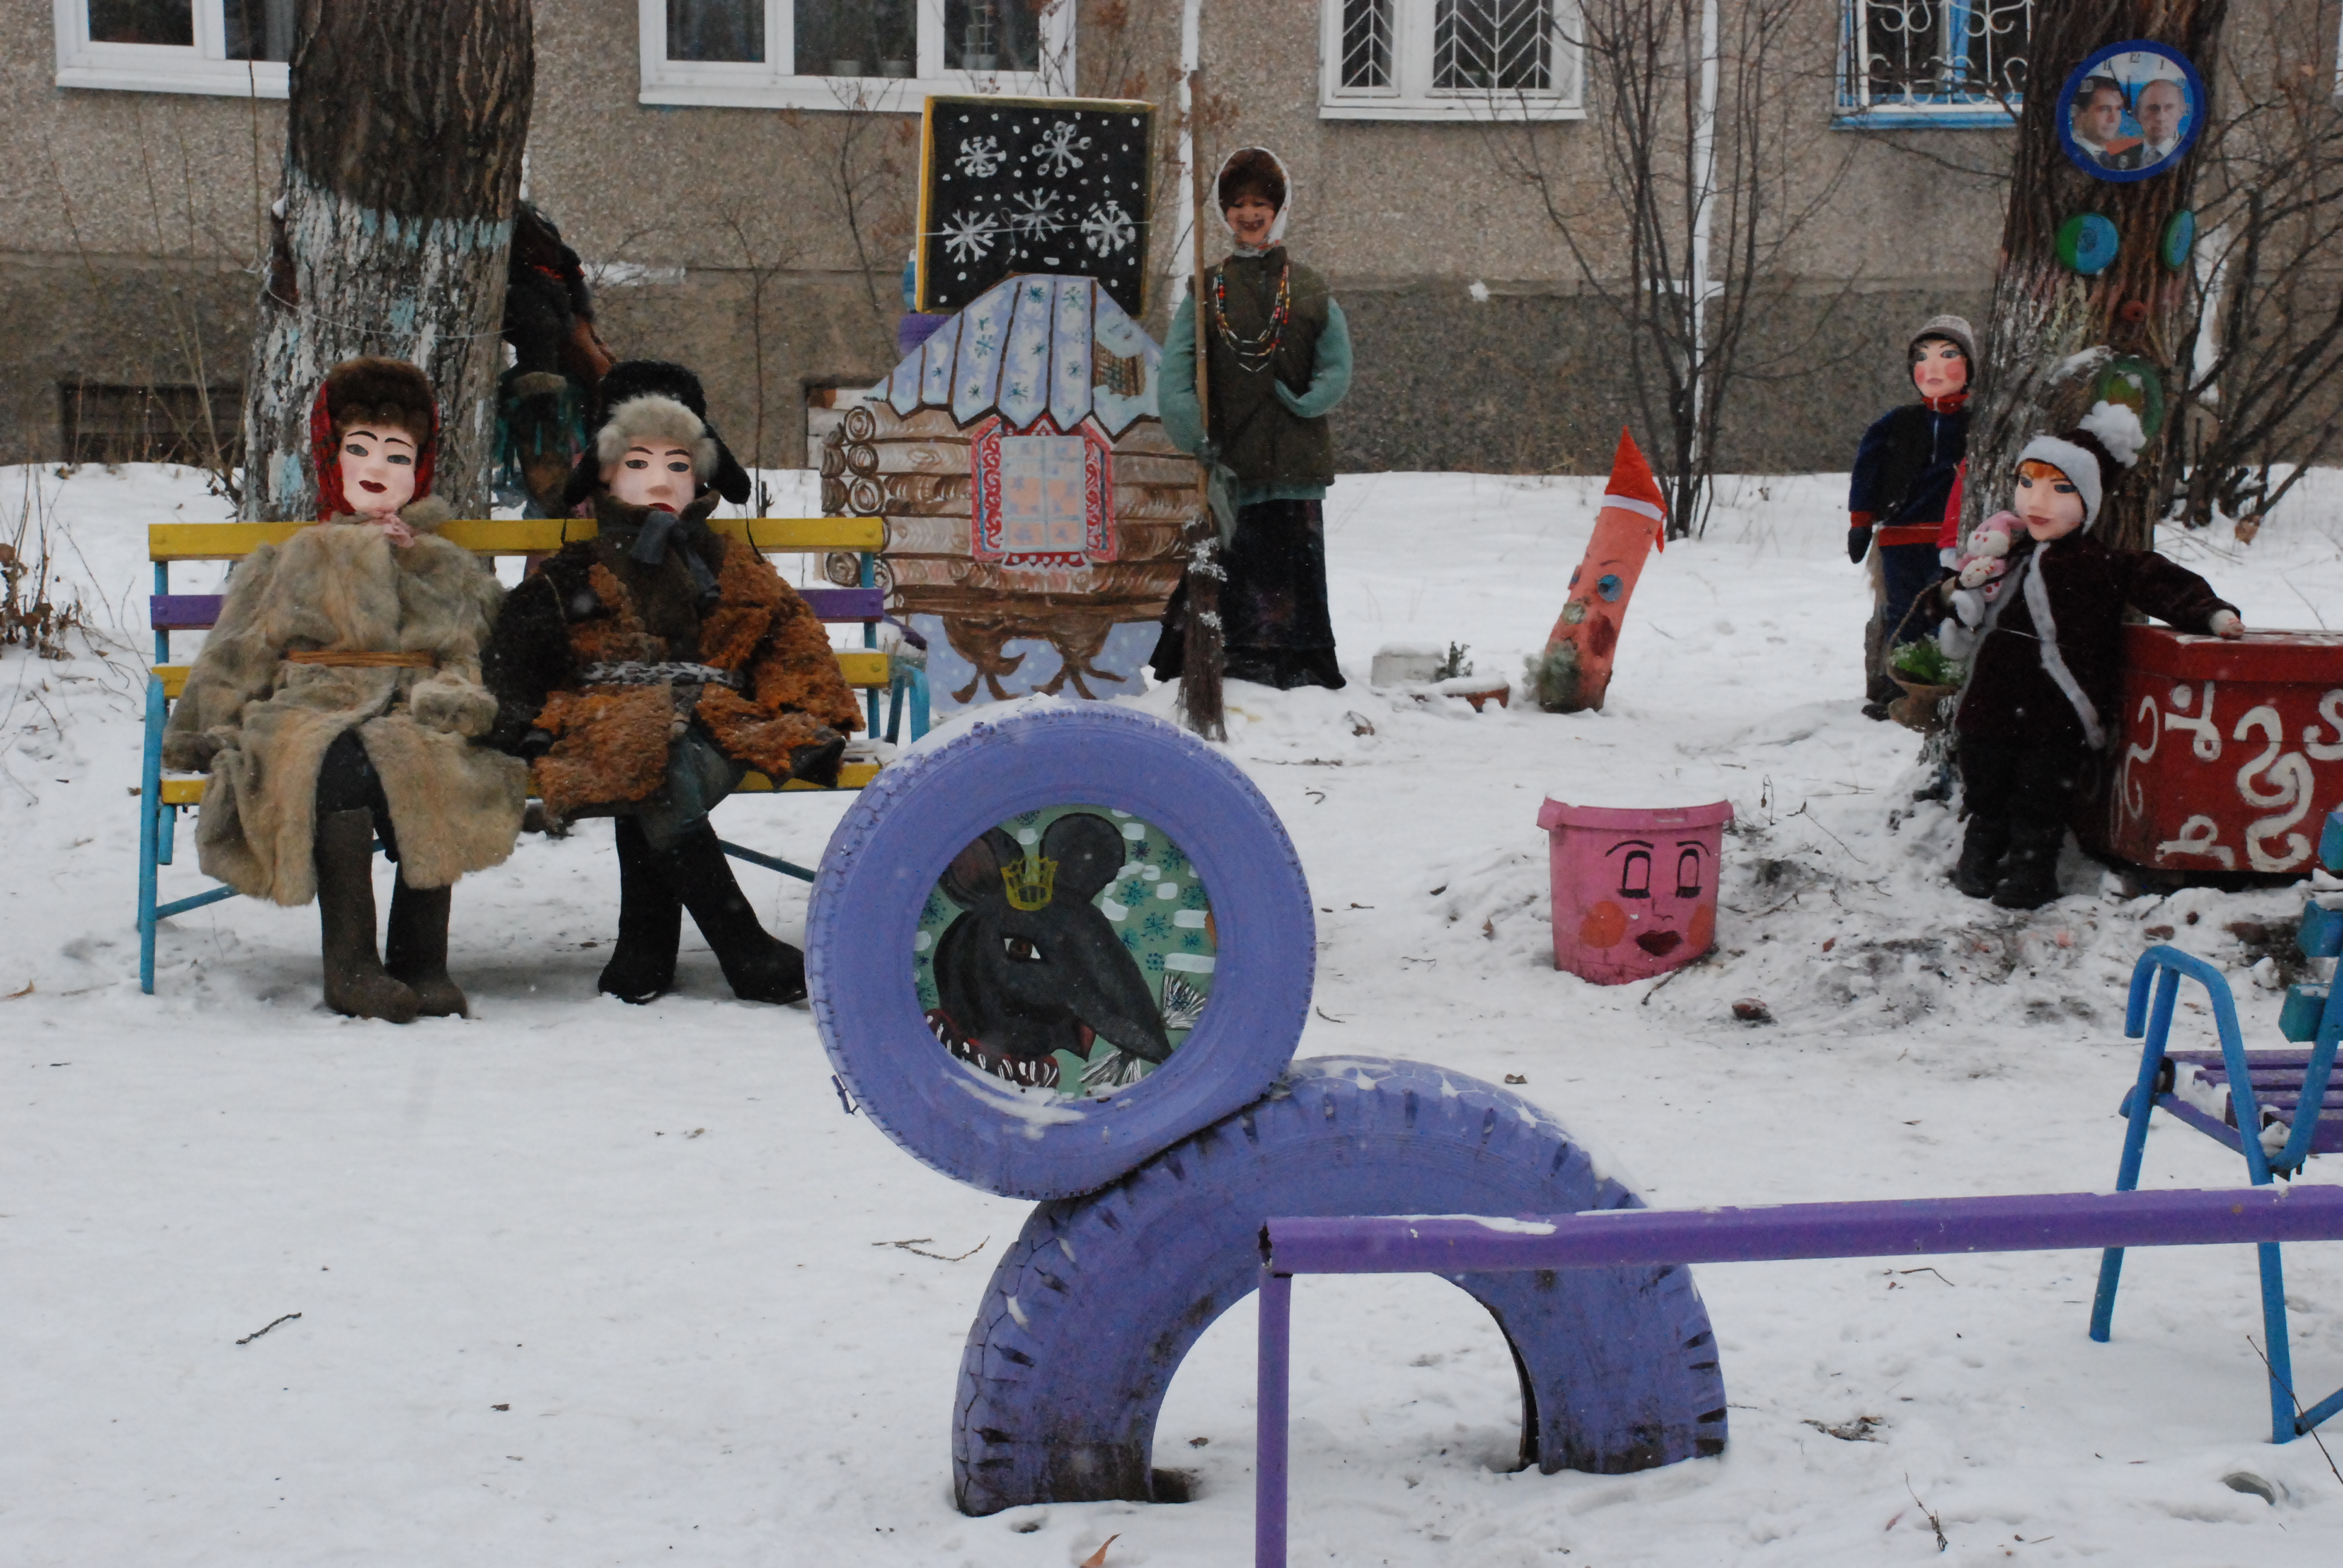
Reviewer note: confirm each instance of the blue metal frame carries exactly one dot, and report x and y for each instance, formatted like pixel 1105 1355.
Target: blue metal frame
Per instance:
pixel 159 822
pixel 2160 968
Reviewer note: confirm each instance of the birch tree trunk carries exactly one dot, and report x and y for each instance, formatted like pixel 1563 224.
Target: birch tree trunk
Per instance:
pixel 2046 319
pixel 402 166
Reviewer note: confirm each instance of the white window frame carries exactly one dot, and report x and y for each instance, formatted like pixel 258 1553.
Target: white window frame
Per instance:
pixel 1854 110
pixel 1412 96
pixel 203 67
pixel 771 85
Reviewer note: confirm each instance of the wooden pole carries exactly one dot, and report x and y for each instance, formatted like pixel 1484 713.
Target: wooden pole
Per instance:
pixel 1203 650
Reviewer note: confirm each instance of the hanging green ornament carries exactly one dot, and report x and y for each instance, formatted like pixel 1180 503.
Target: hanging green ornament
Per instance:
pixel 2179 239
pixel 2088 243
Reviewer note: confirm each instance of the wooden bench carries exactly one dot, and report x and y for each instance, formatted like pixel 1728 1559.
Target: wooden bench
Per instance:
pixel 2276 1109
pixel 162 797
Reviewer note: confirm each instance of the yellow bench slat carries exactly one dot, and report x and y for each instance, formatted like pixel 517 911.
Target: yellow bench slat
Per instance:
pixel 174 677
pixel 860 666
pixel 188 792
pixel 517 535
pixel 183 792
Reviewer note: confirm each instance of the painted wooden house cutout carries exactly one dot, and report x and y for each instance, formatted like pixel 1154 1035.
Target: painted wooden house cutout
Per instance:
pixel 1033 503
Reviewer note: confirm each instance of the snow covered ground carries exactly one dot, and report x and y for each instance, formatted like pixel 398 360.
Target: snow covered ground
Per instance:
pixel 584 1284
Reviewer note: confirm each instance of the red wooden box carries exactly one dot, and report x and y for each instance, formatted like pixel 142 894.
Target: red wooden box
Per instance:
pixel 2227 754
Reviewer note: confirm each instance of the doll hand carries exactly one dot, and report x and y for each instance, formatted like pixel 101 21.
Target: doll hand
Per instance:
pixel 2225 623
pixel 452 705
pixel 1858 542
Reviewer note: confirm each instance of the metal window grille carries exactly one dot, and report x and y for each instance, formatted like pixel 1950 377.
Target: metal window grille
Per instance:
pixel 1367 43
pixel 1504 45
pixel 1925 53
pixel 152 423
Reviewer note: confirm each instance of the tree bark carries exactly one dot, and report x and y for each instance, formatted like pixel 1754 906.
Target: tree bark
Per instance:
pixel 402 166
pixel 2045 318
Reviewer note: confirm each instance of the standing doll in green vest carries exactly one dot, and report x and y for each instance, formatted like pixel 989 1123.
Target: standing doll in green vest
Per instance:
pixel 1280 359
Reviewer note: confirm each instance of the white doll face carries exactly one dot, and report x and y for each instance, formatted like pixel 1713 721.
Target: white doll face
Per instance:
pixel 653 474
pixel 2047 501
pixel 377 464
pixel 1248 218
pixel 1939 369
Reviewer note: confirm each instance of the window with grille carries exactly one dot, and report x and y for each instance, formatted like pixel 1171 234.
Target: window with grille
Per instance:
pixel 1447 59
pixel 1959 62
pixel 193 424
pixel 852 54
pixel 235 47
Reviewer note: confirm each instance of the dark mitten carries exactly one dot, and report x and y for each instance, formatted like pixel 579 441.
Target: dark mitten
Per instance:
pixel 1859 543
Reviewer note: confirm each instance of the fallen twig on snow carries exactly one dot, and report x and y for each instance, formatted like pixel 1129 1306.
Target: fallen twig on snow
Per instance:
pixel 2297 1408
pixel 257 1333
pixel 1935 1524
pixel 914 1246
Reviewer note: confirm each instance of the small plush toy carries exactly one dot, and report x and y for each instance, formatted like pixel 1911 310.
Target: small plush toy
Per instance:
pixel 1980 569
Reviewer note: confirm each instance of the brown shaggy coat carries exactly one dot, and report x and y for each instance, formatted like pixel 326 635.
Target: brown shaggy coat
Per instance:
pixel 261 725
pixel 594 603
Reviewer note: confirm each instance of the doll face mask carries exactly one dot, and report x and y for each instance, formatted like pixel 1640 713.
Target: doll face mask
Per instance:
pixel 1250 216
pixel 377 464
pixel 2047 501
pixel 653 474
pixel 1939 369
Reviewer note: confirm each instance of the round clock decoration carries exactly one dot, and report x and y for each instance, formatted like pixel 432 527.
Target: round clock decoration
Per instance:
pixel 2132 111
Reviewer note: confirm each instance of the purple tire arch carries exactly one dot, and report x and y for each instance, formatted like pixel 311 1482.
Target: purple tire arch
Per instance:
pixel 1090 1312
pixel 897 838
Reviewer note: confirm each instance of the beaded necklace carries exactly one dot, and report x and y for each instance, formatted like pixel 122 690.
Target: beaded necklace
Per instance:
pixel 1254 353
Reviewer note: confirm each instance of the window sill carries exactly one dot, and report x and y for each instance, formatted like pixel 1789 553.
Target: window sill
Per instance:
pixel 877 94
pixel 1456 112
pixel 1951 117
pixel 213 78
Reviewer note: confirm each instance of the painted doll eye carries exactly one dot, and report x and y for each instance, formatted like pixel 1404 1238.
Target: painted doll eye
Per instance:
pixel 401 459
pixel 679 467
pixel 639 462
pixel 1688 874
pixel 1021 949
pixel 353 450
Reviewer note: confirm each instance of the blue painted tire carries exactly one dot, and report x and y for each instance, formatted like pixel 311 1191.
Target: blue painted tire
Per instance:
pixel 898 839
pixel 1090 1312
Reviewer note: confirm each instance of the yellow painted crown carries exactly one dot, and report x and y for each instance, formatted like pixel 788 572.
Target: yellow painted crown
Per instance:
pixel 1030 882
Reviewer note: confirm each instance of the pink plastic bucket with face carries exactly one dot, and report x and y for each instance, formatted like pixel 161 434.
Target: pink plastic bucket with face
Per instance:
pixel 1634 890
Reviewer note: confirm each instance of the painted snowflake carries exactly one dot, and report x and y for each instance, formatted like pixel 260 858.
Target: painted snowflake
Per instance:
pixel 979 158
pixel 1061 150
pixel 1108 228
pixel 1035 215
pixel 971 236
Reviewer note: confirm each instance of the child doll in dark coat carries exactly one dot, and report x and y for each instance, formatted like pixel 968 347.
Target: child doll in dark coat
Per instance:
pixel 1897 495
pixel 2048 653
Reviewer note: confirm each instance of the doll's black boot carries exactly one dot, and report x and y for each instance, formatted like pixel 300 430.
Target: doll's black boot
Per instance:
pixel 1979 871
pixel 2029 877
pixel 760 966
pixel 356 982
pixel 415 951
pixel 651 923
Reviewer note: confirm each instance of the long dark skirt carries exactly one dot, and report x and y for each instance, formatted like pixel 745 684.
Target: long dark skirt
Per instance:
pixel 1273 606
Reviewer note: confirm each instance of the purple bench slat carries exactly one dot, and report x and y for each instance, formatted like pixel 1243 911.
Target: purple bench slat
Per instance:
pixel 846 603
pixel 183 611
pixel 198 611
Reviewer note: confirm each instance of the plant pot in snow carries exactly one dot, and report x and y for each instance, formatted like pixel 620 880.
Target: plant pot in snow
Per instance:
pixel 1917 709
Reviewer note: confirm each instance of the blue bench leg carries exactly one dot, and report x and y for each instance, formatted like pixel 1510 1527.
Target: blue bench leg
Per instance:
pixel 2275 1344
pixel 2141 1106
pixel 150 811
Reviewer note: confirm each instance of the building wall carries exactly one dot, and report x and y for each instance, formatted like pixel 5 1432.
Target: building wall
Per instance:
pixel 764 247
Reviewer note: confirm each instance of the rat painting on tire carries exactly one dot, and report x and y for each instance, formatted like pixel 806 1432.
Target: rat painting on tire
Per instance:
pixel 1069 948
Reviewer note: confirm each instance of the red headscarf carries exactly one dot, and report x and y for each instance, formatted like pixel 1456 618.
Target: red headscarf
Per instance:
pixel 326 457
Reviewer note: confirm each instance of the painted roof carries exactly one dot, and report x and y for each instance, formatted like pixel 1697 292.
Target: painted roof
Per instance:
pixel 1024 347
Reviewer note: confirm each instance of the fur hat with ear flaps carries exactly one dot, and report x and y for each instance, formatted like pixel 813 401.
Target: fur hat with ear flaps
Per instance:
pixel 1254 171
pixel 651 399
pixel 2092 454
pixel 370 391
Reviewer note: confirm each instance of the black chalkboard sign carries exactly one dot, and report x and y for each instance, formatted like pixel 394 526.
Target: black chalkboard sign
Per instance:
pixel 1033 184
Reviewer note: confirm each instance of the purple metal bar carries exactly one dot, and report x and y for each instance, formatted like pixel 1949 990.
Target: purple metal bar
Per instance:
pixel 183 611
pixel 1620 1238
pixel 1451 1244
pixel 833 604
pixel 1274 1383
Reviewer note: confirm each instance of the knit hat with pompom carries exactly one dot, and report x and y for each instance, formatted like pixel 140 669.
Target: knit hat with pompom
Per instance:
pixel 2093 454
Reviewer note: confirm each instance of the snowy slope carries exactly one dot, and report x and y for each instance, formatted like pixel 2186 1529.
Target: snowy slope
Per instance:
pixel 655 1237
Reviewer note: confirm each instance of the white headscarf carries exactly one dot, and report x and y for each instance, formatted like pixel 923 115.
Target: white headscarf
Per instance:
pixel 1276 225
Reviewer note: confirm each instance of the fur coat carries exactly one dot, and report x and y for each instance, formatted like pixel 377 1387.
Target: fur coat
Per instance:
pixel 260 724
pixel 710 600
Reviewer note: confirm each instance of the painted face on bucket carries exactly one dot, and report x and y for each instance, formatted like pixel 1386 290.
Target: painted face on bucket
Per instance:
pixel 655 473
pixel 377 464
pixel 1665 899
pixel 1250 216
pixel 2047 501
